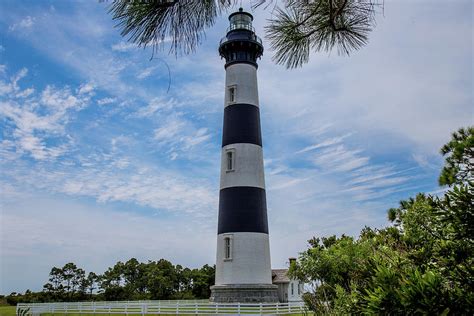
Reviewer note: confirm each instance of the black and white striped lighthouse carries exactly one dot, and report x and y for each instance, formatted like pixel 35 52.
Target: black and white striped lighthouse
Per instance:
pixel 243 268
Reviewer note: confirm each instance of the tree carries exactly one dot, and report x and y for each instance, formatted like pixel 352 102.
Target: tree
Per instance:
pixel 90 283
pixel 55 285
pixel 296 29
pixel 73 277
pixel 423 264
pixel 202 279
pixel 459 152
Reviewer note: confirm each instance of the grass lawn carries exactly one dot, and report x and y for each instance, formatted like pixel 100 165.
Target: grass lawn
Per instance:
pixel 7 310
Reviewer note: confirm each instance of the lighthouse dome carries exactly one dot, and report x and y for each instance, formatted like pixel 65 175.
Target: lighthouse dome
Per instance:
pixel 241 44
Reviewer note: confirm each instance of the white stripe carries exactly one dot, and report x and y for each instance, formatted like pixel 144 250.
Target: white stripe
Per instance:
pixel 250 259
pixel 248 166
pixel 244 78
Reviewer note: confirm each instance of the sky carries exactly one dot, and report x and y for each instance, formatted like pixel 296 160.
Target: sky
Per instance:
pixel 106 155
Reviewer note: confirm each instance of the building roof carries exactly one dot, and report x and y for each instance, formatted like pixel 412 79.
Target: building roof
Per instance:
pixel 280 276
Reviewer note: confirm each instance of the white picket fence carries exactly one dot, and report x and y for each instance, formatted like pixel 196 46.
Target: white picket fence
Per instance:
pixel 197 307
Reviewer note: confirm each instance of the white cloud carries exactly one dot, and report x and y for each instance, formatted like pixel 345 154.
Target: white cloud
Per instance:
pixel 10 86
pixel 25 93
pixel 145 73
pixel 25 23
pixel 86 88
pixel 123 47
pixel 117 177
pixel 157 105
pixel 200 136
pixel 106 101
pixel 37 116
pixel 424 161
pixel 180 135
pixel 326 143
pixel 338 158
pixel 169 131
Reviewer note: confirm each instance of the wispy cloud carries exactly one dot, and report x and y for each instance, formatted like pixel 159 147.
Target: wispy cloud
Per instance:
pixel 157 105
pixel 117 178
pixel 339 158
pixel 25 23
pixel 105 101
pixel 123 47
pixel 180 135
pixel 168 132
pixel 145 73
pixel 326 143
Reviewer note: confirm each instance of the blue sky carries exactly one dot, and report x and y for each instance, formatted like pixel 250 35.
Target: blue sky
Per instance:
pixel 100 162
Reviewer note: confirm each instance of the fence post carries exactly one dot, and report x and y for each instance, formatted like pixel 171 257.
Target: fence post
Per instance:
pixel 177 308
pixel 238 308
pixel 261 312
pixel 196 308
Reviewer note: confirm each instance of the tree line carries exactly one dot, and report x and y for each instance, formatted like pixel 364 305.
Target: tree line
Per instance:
pixel 421 265
pixel 131 280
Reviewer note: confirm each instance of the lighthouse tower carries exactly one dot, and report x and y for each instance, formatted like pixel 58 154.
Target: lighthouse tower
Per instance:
pixel 243 269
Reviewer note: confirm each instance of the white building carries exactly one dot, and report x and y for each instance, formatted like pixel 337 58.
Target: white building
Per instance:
pixel 289 290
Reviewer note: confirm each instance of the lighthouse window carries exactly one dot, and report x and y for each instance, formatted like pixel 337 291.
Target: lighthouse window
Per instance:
pixel 227 248
pixel 230 157
pixel 231 94
pixel 292 288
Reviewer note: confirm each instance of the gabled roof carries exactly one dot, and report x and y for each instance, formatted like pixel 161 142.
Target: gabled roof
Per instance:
pixel 280 276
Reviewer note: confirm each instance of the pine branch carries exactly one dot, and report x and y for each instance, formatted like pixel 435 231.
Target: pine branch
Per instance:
pixel 320 25
pixel 182 23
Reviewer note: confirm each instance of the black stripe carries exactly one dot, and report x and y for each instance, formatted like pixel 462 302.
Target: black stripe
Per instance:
pixel 241 125
pixel 230 63
pixel 242 209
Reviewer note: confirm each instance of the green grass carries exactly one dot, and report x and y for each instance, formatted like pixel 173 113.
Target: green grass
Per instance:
pixel 7 310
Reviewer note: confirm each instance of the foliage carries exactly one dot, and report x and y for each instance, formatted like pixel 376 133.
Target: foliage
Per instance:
pixel 423 264
pixel 294 30
pixel 321 26
pixel 132 280
pixel 154 22
pixel 459 166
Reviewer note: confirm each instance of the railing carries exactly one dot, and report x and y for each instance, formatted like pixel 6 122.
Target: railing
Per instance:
pixel 187 307
pixel 241 26
pixel 253 37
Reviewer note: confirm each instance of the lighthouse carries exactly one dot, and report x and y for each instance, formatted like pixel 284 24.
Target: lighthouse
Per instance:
pixel 243 268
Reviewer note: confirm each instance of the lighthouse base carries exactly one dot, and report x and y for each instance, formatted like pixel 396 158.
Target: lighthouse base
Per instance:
pixel 244 293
